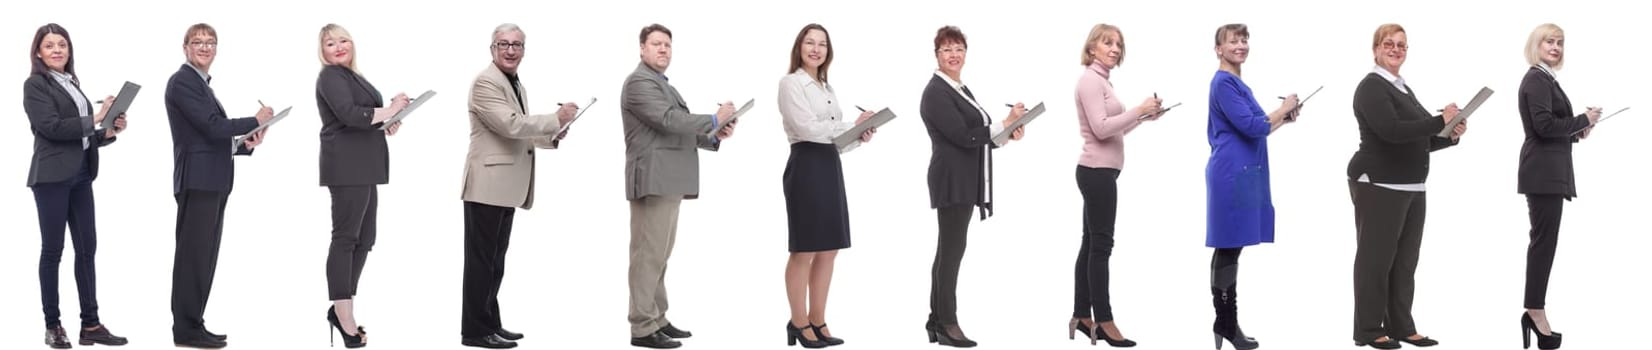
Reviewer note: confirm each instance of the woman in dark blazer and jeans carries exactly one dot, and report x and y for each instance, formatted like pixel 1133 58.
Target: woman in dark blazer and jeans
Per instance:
pixel 1386 182
pixel 354 160
pixel 1546 176
pixel 960 175
pixel 67 136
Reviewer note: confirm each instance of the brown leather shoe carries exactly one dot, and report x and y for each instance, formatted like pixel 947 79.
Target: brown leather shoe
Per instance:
pixel 99 334
pixel 57 338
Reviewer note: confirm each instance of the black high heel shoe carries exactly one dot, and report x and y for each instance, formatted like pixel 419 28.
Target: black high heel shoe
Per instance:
pixel 1100 334
pixel 1075 326
pixel 822 335
pixel 794 335
pixel 1529 327
pixel 350 341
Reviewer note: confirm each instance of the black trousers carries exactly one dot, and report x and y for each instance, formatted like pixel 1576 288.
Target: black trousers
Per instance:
pixel 68 204
pixel 1390 237
pixel 1100 189
pixel 949 254
pixel 355 228
pixel 200 229
pixel 1544 210
pixel 487 236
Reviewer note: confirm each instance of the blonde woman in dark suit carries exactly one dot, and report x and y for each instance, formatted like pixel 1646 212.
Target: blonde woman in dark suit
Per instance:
pixel 1546 176
pixel 354 160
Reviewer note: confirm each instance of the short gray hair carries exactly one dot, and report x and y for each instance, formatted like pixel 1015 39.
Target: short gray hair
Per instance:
pixel 505 28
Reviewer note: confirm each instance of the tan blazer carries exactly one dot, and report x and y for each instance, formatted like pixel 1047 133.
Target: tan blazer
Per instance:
pixel 499 169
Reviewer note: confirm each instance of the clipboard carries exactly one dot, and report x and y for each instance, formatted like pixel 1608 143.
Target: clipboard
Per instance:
pixel 737 113
pixel 1161 112
pixel 570 122
pixel 1303 101
pixel 123 101
pixel 1473 104
pixel 417 101
pixel 853 134
pixel 236 142
pixel 1004 136
pixel 1597 122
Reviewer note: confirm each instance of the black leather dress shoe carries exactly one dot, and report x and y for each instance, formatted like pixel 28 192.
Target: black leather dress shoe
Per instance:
pixel 219 337
pixel 656 340
pixel 491 341
pixel 674 332
pixel 200 343
pixel 101 336
pixel 508 335
pixel 57 338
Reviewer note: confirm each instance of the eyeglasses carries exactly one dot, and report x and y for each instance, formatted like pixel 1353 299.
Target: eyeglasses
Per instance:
pixel 953 49
pixel 203 44
pixel 1392 45
pixel 505 46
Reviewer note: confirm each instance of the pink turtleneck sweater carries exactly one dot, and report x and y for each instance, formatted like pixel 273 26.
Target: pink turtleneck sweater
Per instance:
pixel 1102 120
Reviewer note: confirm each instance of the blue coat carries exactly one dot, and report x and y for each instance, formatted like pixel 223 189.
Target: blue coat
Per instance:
pixel 1238 201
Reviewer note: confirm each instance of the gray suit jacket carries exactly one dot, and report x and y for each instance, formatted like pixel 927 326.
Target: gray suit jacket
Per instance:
pixel 661 138
pixel 499 168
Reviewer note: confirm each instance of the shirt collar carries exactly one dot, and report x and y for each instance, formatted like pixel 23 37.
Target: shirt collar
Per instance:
pixel 1399 83
pixel 204 76
pixel 61 76
pixel 803 77
pixel 954 83
pixel 1544 66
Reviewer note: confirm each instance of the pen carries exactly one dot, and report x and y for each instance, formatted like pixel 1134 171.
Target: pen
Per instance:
pixel 1010 105
pixel 861 109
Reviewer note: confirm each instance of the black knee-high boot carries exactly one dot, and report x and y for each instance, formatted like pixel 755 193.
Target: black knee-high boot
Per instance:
pixel 1224 273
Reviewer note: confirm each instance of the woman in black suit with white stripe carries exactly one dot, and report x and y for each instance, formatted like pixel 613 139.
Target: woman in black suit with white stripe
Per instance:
pixel 67 136
pixel 960 175
pixel 1546 176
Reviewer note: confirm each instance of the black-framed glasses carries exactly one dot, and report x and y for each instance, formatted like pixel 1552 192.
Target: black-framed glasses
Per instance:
pixel 509 45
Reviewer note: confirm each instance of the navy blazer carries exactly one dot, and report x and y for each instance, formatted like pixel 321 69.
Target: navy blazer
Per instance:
pixel 1546 116
pixel 353 150
pixel 201 134
pixel 58 130
pixel 957 140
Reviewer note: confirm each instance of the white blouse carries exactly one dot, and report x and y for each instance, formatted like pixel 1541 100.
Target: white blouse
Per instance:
pixel 810 111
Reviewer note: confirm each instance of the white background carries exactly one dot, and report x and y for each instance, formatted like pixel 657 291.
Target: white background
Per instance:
pixel 566 286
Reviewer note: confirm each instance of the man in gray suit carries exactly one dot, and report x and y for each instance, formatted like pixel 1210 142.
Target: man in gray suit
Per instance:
pixel 662 167
pixel 499 172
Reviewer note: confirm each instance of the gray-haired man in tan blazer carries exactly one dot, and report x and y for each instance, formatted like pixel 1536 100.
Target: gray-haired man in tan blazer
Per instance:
pixel 662 167
pixel 499 171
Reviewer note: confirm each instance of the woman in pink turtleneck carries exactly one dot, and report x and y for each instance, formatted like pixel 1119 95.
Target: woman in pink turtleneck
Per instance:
pixel 1103 121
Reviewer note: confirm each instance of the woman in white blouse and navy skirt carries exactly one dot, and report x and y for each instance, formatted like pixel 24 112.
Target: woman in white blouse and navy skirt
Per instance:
pixel 817 210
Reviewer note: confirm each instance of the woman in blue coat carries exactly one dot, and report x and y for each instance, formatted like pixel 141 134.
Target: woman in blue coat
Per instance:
pixel 1239 208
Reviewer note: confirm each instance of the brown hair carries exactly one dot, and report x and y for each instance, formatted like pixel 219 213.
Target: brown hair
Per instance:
pixel 797 50
pixel 949 35
pixel 1095 34
pixel 40 64
pixel 650 29
pixel 199 28
pixel 1238 29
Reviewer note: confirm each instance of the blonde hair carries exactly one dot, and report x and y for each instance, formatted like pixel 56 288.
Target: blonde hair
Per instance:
pixel 1534 44
pixel 1383 31
pixel 1100 29
pixel 336 32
